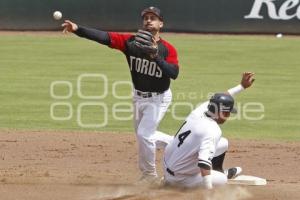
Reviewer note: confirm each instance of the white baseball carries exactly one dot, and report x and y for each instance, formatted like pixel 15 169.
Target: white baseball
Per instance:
pixel 57 15
pixel 279 35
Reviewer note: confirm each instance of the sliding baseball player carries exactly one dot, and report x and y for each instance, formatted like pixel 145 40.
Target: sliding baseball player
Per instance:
pixel 194 157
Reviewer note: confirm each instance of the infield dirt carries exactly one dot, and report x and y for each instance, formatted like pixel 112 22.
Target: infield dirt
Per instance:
pixel 95 166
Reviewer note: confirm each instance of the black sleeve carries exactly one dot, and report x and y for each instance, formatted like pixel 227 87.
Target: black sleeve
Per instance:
pixel 171 70
pixel 204 166
pixel 92 34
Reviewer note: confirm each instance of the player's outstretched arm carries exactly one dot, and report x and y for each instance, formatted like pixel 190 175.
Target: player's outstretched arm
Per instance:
pixel 101 37
pixel 247 79
pixel 246 82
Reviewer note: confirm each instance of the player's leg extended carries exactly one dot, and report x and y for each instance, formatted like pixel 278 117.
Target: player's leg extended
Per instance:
pixel 218 179
pixel 146 143
pixel 137 112
pixel 162 139
pixel 218 160
pixel 143 136
pixel 152 113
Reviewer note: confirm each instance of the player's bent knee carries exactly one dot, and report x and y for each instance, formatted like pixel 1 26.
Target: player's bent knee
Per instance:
pixel 222 146
pixel 144 138
pixel 145 132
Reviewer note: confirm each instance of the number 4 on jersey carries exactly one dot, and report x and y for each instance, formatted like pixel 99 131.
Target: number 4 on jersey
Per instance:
pixel 182 137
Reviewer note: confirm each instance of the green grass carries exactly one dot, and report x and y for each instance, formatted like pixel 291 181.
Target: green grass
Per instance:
pixel 209 63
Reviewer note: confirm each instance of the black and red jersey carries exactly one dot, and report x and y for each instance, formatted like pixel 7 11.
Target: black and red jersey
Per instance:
pixel 146 74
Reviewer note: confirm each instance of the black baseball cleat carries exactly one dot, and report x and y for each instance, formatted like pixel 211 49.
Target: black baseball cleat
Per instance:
pixel 233 172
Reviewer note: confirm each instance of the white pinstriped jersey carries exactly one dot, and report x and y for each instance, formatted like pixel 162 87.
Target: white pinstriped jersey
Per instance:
pixel 194 143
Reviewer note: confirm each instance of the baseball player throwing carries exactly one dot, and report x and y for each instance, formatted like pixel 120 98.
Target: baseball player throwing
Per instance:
pixel 152 63
pixel 195 156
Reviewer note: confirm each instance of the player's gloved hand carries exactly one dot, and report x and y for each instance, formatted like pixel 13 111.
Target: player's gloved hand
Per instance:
pixel 144 41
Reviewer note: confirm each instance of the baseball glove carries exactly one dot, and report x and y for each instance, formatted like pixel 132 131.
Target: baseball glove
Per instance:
pixel 145 42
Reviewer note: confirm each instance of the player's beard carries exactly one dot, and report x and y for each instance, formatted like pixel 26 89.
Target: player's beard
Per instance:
pixel 153 31
pixel 151 28
pixel 221 120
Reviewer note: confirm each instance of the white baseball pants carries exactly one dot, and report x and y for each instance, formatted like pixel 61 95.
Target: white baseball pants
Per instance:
pixel 148 113
pixel 183 180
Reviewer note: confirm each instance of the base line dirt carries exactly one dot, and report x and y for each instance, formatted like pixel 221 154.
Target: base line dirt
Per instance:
pixel 96 166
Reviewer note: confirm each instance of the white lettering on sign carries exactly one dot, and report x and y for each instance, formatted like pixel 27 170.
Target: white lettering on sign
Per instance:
pixel 281 13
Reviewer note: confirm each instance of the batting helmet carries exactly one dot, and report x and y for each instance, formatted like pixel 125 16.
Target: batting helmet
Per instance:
pixel 221 102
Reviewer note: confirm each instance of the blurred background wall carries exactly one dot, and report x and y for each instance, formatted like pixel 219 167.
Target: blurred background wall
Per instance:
pixel 211 16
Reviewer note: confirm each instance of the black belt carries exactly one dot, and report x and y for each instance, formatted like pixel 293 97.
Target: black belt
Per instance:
pixel 170 172
pixel 147 94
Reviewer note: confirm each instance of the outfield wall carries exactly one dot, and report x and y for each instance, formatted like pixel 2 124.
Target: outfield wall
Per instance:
pixel 219 16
